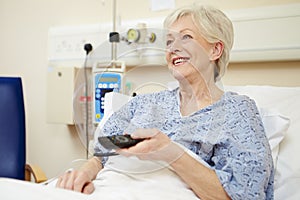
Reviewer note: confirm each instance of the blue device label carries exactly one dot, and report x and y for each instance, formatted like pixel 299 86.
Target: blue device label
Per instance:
pixel 104 82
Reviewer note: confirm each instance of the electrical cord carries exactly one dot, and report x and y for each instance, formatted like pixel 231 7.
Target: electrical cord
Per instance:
pixel 88 48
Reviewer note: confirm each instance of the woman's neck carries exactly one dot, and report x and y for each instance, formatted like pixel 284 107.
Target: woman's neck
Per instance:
pixel 198 95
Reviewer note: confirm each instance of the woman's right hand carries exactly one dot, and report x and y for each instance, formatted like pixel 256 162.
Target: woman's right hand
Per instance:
pixel 77 180
pixel 81 180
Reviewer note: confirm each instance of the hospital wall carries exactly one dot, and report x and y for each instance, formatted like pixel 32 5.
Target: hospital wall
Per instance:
pixel 24 29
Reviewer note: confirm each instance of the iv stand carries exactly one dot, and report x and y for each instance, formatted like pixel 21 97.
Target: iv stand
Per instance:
pixel 112 34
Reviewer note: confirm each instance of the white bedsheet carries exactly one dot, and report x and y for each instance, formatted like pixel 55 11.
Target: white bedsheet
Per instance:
pixel 122 178
pixel 11 189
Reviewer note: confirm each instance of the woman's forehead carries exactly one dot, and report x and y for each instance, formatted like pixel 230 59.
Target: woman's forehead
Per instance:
pixel 184 23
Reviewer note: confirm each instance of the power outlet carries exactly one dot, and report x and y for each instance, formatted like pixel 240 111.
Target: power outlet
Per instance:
pixel 67 43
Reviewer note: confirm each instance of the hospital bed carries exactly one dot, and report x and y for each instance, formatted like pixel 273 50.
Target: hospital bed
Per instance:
pixel 279 107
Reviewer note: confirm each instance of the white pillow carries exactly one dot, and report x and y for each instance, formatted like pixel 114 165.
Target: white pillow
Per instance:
pixel 287 101
pixel 276 126
pixel 113 101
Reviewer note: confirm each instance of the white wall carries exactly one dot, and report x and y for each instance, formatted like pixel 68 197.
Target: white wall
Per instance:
pixel 24 29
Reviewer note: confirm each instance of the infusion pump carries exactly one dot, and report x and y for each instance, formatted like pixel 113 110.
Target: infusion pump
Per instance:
pixel 106 79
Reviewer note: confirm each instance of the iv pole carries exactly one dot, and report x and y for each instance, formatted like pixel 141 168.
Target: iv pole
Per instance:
pixel 114 36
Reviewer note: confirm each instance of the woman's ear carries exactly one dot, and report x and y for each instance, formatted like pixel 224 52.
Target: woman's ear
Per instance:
pixel 217 50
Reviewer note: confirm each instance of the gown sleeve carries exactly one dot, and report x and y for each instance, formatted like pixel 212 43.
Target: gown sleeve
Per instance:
pixel 243 160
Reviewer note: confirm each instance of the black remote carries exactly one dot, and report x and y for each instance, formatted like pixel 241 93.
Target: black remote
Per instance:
pixel 118 141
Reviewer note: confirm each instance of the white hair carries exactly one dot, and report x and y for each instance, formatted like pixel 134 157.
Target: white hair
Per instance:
pixel 213 25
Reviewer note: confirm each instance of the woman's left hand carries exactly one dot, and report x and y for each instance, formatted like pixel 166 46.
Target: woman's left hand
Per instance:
pixel 155 146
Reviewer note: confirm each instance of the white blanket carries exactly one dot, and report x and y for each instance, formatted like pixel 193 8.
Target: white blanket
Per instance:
pixel 11 189
pixel 122 178
pixel 130 178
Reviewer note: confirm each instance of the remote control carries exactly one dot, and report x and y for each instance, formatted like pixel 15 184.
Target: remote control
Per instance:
pixel 118 141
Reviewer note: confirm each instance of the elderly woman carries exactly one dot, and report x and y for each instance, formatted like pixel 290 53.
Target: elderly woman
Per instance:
pixel 222 129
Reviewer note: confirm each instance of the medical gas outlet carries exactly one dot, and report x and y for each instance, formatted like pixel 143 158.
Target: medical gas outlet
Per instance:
pixel 139 35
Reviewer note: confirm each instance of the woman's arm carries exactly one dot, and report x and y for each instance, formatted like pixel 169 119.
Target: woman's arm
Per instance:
pixel 202 180
pixel 157 146
pixel 81 180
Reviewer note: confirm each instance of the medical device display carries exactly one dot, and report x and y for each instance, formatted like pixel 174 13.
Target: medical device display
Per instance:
pixel 104 82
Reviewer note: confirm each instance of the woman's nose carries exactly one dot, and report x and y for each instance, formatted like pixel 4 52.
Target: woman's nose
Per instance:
pixel 176 46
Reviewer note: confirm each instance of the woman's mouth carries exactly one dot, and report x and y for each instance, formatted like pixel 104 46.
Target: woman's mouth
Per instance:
pixel 180 60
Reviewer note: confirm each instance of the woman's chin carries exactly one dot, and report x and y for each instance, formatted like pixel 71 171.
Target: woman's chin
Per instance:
pixel 179 76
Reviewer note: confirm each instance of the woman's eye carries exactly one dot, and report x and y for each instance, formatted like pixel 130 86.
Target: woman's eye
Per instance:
pixel 169 42
pixel 186 37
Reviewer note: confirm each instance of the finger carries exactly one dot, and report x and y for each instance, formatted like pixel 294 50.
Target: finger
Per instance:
pixel 79 184
pixel 141 147
pixel 70 181
pixel 61 183
pixel 124 152
pixel 144 133
pixel 88 188
pixel 58 183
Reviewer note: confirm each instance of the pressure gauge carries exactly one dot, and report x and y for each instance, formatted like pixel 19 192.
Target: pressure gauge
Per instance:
pixel 133 35
pixel 152 38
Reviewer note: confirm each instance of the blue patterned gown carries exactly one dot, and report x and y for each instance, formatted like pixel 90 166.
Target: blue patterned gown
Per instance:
pixel 228 135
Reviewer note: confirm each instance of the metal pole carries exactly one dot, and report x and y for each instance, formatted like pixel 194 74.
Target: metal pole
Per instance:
pixel 114 44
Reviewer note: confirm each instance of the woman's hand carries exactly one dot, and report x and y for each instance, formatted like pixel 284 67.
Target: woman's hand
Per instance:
pixel 156 146
pixel 76 180
pixel 81 180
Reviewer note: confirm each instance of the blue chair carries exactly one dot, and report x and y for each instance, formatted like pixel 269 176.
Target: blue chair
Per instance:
pixel 13 133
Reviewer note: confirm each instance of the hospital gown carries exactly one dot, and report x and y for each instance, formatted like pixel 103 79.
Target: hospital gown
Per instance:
pixel 228 135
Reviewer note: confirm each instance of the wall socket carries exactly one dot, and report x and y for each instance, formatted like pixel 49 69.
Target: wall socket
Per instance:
pixel 67 43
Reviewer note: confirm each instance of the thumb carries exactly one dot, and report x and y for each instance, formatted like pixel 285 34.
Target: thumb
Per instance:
pixel 144 133
pixel 88 188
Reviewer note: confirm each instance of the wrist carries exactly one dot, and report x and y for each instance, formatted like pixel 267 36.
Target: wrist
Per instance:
pixel 92 167
pixel 172 152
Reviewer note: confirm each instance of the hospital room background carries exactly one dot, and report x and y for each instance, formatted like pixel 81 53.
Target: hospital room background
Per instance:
pixel 26 28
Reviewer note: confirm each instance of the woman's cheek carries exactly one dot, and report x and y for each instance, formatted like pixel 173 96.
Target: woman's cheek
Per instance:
pixel 168 58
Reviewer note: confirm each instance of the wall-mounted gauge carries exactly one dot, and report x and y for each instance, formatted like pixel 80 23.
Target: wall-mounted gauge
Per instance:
pixel 133 35
pixel 152 38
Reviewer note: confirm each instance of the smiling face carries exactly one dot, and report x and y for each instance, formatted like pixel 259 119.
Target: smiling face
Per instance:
pixel 188 52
